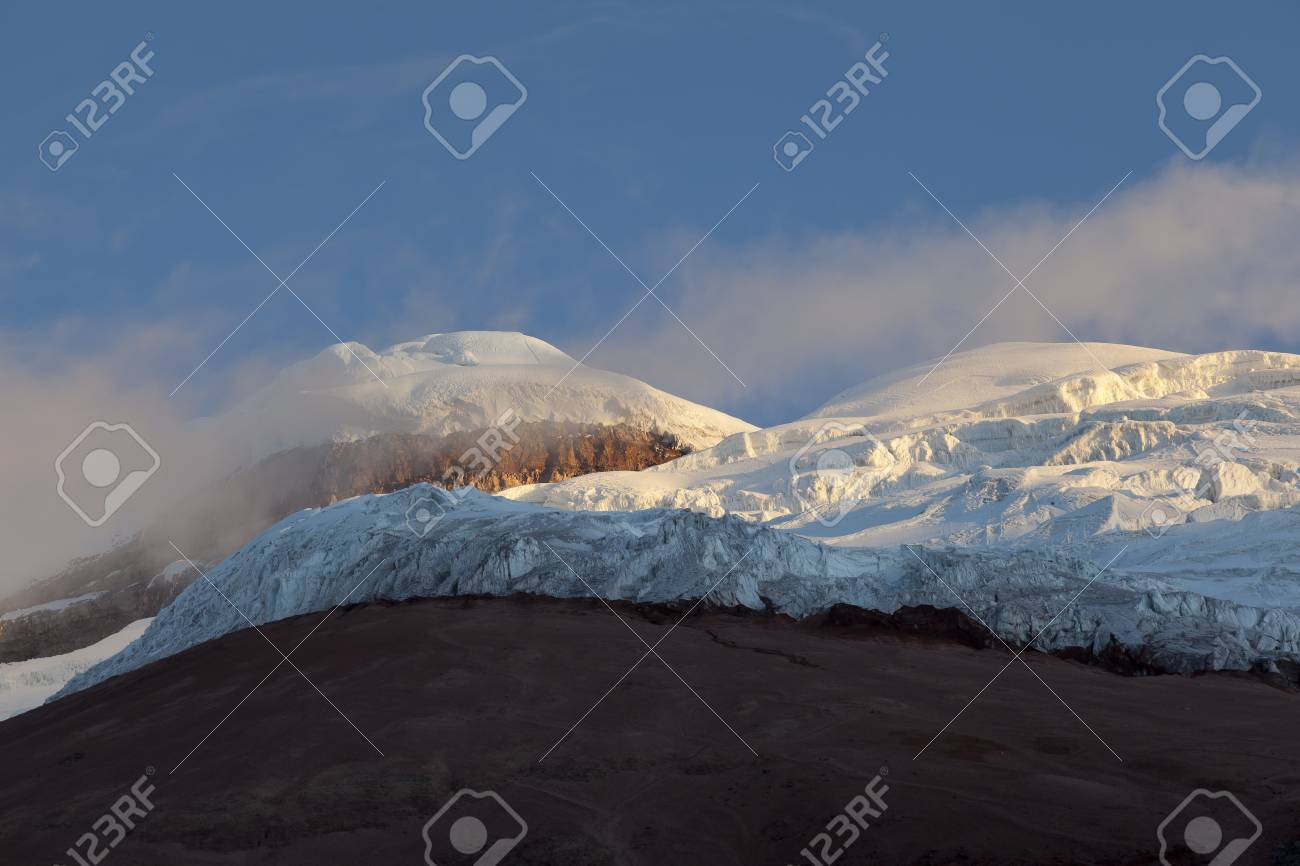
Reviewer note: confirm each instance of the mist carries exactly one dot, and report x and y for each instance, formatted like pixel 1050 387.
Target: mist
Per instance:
pixel 798 319
pixel 1198 258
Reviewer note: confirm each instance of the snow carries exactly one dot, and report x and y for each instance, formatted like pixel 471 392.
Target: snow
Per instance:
pixel 1031 470
pixel 1078 463
pixel 173 572
pixel 57 604
pixel 442 383
pixel 969 378
pixel 27 684
pixel 363 550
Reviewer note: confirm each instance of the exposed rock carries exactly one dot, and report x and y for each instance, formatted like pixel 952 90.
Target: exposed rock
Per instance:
pixel 224 517
pixel 53 632
pixel 913 621
pixel 545 452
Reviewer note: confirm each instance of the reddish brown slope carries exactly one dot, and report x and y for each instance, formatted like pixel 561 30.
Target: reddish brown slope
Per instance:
pixel 471 693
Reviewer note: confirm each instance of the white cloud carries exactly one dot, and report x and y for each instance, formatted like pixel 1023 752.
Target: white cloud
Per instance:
pixel 1197 258
pixel 58 383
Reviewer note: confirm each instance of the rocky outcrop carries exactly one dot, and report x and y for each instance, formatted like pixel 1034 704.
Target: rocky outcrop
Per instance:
pixel 923 621
pixel 135 580
pixel 544 452
pixel 42 633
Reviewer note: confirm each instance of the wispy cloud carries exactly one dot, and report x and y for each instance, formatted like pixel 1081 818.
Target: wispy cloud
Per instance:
pixel 1197 258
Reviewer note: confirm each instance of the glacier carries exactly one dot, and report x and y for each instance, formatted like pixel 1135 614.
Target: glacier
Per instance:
pixel 29 683
pixel 1000 485
pixel 1083 464
pixel 362 550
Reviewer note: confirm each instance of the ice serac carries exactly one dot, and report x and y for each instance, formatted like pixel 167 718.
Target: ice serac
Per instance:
pixel 446 383
pixel 1082 450
pixel 363 550
pixel 27 684
pixel 1002 493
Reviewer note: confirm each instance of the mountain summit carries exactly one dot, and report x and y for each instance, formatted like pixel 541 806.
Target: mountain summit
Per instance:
pixel 454 382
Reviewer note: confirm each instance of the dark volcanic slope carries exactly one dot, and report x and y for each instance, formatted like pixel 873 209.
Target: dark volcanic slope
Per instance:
pixel 471 693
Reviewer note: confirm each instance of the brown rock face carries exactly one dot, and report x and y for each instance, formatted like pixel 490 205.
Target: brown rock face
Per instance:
pixel 221 519
pixel 51 632
pixel 544 452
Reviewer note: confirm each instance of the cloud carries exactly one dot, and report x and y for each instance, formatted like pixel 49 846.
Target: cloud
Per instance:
pixel 57 384
pixel 1197 258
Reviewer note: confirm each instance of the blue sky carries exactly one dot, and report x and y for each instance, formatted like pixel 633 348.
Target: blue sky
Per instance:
pixel 650 123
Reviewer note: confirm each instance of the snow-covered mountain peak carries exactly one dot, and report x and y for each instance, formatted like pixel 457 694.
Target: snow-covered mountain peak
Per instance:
pixel 1017 380
pixel 354 363
pixel 445 383
pixel 1031 452
pixel 1166 382
pixel 1177 472
pixel 471 348
pixel 974 377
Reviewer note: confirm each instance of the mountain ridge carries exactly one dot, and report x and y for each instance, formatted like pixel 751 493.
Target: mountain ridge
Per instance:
pixel 1019 499
pixel 447 383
